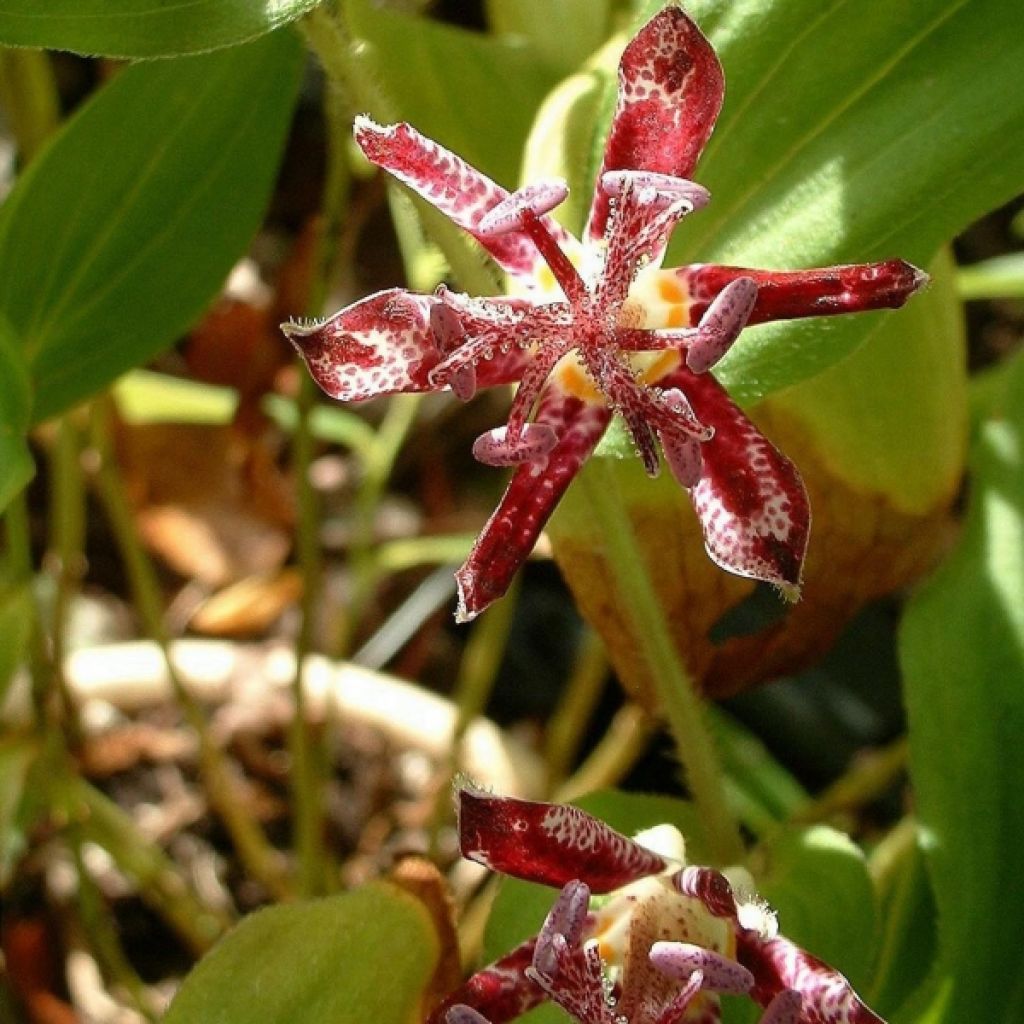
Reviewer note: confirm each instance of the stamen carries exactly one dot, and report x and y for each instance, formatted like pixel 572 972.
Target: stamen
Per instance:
pixel 684 458
pixel 512 213
pixel 460 1013
pixel 721 324
pixel 711 887
pixel 679 960
pixel 532 381
pixel 672 1012
pixel 497 448
pixel 449 334
pixel 785 1008
pixel 665 188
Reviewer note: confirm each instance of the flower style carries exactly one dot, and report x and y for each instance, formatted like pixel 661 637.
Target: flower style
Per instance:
pixel 658 947
pixel 599 328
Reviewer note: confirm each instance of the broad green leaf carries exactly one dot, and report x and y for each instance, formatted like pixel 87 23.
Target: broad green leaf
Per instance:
pixel 563 32
pixel 907 939
pixel 847 135
pixel 891 418
pixel 850 135
pixel 473 93
pixel 962 650
pixel 142 28
pixel 363 956
pixel 817 880
pixel 16 466
pixel 126 225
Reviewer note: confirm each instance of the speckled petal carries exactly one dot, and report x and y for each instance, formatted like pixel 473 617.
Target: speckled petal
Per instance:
pixel 750 500
pixel 500 992
pixel 510 534
pixel 670 92
pixel 778 964
pixel 384 345
pixel 552 844
pixel 792 294
pixel 458 190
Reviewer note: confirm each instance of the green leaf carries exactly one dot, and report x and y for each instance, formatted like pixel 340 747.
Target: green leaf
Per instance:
pixel 142 28
pixel 363 956
pixel 962 651
pixel 473 93
pixel 125 226
pixel 16 466
pixel 850 135
pixel 817 880
pixel 563 32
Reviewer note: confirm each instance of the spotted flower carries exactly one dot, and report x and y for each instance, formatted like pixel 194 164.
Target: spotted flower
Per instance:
pixel 636 935
pixel 597 327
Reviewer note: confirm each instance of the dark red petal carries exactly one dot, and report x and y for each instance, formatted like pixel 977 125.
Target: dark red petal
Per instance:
pixel 500 991
pixel 778 964
pixel 789 294
pixel 670 91
pixel 458 190
pixel 510 534
pixel 552 844
pixel 750 501
pixel 383 345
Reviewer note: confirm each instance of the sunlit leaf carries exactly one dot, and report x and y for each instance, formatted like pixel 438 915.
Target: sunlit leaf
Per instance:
pixel 126 225
pixel 963 659
pixel 474 93
pixel 365 955
pixel 142 28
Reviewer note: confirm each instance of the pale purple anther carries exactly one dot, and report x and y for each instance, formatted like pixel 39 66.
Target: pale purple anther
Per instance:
pixel 666 187
pixel 569 913
pixel 785 1008
pixel 678 960
pixel 512 213
pixel 462 1014
pixel 721 324
pixel 496 448
pixel 681 448
pixel 449 334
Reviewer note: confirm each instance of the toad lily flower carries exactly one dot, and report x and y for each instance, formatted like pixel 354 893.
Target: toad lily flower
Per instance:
pixel 657 947
pixel 599 328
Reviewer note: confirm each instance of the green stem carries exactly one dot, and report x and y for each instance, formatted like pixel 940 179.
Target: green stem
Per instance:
pixel 868 777
pixel 99 820
pixel 99 933
pixel 28 93
pixel 67 542
pixel 377 468
pixel 622 745
pixel 568 723
pixel 677 697
pixel 223 786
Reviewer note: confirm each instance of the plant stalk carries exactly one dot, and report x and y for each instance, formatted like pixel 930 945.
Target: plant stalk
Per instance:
pixel 677 696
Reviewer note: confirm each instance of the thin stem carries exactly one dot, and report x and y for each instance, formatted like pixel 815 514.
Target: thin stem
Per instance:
pixel 99 820
pixel 677 697
pixel 67 543
pixel 868 777
pixel 100 934
pixel 366 569
pixel 623 744
pixel 308 758
pixel 223 787
pixel 28 93
pixel 568 723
